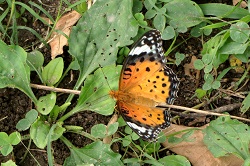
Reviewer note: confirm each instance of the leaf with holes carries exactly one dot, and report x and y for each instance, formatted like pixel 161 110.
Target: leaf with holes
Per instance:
pixel 46 103
pixel 94 95
pixel 226 136
pixel 14 71
pixel 94 41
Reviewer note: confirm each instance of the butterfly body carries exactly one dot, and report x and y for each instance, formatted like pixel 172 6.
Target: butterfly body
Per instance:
pixel 145 83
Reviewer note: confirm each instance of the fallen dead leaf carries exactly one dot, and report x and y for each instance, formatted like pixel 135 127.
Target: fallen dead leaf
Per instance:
pixel 64 25
pixel 243 4
pixel 189 66
pixel 197 152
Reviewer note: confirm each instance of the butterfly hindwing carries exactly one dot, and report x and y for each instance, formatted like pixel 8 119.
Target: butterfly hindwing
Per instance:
pixel 145 121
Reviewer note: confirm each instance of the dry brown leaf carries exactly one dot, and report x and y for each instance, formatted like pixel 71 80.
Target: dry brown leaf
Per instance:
pixel 243 4
pixel 64 24
pixel 189 66
pixel 196 152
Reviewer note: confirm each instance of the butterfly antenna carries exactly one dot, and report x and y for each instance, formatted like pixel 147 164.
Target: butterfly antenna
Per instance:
pixel 105 77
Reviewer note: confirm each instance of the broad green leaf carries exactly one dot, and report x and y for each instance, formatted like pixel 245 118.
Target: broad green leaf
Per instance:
pixel 231 47
pixel 94 41
pixel 184 13
pixel 96 153
pixel 99 131
pixel 175 160
pixel 14 71
pixel 39 133
pixel 95 93
pixel 9 163
pixel 245 104
pixel 239 32
pixel 222 10
pixel 52 72
pixel 225 136
pixel 46 103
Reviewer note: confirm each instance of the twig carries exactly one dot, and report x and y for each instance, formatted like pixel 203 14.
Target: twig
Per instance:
pixel 203 112
pixel 48 88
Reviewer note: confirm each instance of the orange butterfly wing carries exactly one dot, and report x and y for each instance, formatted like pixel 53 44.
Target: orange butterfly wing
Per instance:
pixel 146 82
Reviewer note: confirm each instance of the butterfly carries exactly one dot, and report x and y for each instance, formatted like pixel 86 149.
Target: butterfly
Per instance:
pixel 146 82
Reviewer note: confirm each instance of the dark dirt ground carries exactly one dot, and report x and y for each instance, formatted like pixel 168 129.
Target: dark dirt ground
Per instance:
pixel 14 104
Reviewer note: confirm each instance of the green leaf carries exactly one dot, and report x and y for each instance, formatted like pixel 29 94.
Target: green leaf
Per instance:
pixel 31 115
pixel 206 58
pixel 159 22
pixel 231 47
pixel 113 128
pixel 95 40
pixel 25 123
pixel 197 30
pixel 96 153
pixel 175 160
pixel 35 60
pixel 198 64
pixel 39 133
pixel 46 103
pixel 52 72
pixel 245 104
pixel 200 93
pixel 6 142
pixel 9 163
pixel 94 95
pixel 15 138
pixel 99 131
pixel 168 33
pixel 216 84
pixel 137 6
pixel 184 13
pixel 14 72
pixel 179 57
pixel 207 86
pixel 57 132
pixel 208 68
pixel 150 14
pixel 222 10
pixel 239 32
pixel 225 136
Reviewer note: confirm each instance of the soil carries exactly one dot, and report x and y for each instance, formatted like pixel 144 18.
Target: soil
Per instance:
pixel 14 104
